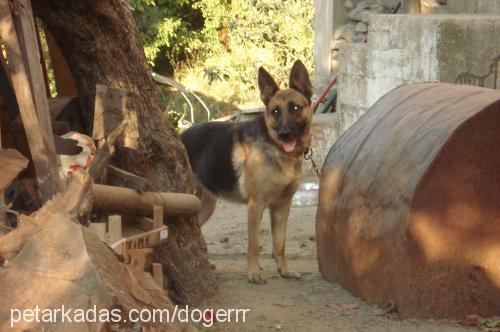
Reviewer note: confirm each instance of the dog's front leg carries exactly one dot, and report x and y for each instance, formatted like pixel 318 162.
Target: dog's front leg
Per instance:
pixel 255 211
pixel 279 219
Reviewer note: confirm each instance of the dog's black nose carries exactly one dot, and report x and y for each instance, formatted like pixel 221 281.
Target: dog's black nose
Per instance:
pixel 285 135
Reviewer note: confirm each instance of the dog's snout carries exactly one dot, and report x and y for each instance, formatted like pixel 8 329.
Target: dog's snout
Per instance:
pixel 284 133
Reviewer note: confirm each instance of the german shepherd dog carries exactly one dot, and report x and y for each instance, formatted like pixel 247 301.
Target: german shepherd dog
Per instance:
pixel 257 162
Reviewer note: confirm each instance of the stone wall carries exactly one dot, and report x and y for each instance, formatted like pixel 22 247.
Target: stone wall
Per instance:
pixel 351 22
pixel 410 49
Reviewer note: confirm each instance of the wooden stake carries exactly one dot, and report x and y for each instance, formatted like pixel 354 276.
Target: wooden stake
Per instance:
pixel 109 110
pixel 158 274
pixel 44 158
pixel 99 228
pixel 114 229
pixel 144 240
pixel 121 178
pixel 157 216
pixel 27 35
pixel 143 223
pixel 105 152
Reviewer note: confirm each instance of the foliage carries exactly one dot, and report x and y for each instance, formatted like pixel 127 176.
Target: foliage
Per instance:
pixel 170 29
pixel 46 57
pixel 216 46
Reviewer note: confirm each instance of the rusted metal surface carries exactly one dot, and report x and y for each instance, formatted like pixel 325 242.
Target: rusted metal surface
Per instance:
pixel 408 209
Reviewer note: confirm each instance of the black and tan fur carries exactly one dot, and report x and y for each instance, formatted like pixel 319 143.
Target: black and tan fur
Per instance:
pixel 247 162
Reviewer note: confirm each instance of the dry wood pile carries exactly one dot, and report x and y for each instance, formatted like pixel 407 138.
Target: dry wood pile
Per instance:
pixel 62 241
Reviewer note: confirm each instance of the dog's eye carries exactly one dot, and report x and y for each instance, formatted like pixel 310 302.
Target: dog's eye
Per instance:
pixel 275 111
pixel 294 108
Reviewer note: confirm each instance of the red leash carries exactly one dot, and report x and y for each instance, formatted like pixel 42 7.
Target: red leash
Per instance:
pixel 323 94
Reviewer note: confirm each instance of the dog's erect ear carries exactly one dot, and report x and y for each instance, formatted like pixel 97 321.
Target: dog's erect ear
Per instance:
pixel 299 79
pixel 267 86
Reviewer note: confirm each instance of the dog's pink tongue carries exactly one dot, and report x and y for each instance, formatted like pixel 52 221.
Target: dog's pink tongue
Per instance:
pixel 289 146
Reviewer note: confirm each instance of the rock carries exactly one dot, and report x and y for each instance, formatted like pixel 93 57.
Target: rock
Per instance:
pixel 344 34
pixel 361 27
pixel 409 203
pixel 367 6
pixel 364 17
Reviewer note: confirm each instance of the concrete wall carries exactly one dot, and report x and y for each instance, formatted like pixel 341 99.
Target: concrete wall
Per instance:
pixel 473 6
pixel 401 49
pixel 410 49
pixel 352 85
pixel 332 18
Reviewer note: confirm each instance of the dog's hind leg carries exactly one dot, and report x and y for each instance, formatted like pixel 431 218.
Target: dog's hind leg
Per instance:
pixel 208 202
pixel 255 211
pixel 279 218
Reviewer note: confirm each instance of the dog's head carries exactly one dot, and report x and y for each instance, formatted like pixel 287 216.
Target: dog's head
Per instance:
pixel 288 112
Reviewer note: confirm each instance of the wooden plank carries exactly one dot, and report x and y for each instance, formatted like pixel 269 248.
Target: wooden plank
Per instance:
pixel 121 178
pixel 140 259
pixel 12 163
pixel 114 228
pixel 105 152
pixel 11 109
pixel 159 242
pixel 67 109
pixel 109 110
pixel 27 35
pixel 157 216
pixel 143 223
pixel 157 273
pixel 99 228
pixel 147 239
pixel 44 158
pixel 58 104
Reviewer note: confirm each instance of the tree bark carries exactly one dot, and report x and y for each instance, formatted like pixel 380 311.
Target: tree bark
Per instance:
pixel 101 43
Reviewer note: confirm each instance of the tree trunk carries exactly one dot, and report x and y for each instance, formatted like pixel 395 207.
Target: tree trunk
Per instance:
pixel 101 43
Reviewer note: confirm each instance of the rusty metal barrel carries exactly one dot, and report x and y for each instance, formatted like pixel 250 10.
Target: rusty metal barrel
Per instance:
pixel 409 203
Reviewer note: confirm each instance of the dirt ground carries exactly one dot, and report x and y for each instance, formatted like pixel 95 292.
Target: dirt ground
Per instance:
pixel 289 305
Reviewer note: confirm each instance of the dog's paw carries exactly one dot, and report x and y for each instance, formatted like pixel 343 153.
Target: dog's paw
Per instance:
pixel 256 278
pixel 290 274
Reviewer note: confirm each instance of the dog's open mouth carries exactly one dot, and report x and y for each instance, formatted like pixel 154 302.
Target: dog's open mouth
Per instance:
pixel 289 146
